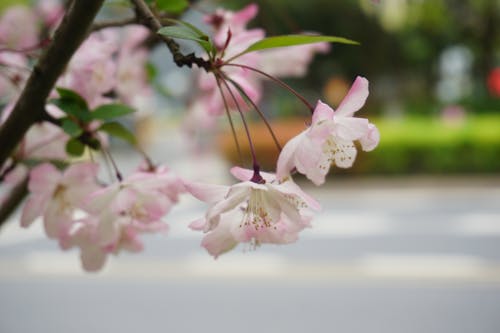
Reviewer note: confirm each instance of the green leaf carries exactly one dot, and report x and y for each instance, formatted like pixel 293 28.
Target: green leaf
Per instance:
pixel 172 6
pixel 190 26
pixel 71 128
pixel 72 104
pixel 71 95
pixel 70 107
pixel 152 71
pixel 186 32
pixel 119 131
pixel 292 40
pixel 111 111
pixel 75 147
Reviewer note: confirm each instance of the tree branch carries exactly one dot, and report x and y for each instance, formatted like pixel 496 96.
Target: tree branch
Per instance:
pixel 14 198
pixel 147 18
pixel 29 107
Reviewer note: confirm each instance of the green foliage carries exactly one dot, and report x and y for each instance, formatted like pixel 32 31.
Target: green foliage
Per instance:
pixel 72 104
pixel 430 145
pixel 187 31
pixel 4 4
pixel 71 128
pixel 119 131
pixel 79 116
pixel 172 6
pixel 111 111
pixel 293 40
pixel 75 147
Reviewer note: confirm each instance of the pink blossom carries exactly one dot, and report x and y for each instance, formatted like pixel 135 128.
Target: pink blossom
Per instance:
pixel 330 138
pixel 42 141
pixel 231 38
pixel 118 214
pixel 57 195
pixel 290 61
pixel 253 213
pixel 84 234
pixel 224 20
pixel 14 72
pixel 18 28
pixel 51 11
pixel 131 207
pixel 92 70
pixel 131 76
pixel 247 80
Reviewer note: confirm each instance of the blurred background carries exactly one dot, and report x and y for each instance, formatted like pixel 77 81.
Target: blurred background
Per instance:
pixel 408 240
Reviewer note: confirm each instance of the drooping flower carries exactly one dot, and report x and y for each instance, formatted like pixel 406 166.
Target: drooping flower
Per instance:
pixel 330 138
pixel 57 196
pixel 251 212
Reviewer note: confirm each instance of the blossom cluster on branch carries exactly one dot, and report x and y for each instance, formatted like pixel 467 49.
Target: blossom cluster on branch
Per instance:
pixel 107 79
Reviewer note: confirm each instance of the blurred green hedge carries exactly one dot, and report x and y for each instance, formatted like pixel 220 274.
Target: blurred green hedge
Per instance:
pixel 408 145
pixel 435 146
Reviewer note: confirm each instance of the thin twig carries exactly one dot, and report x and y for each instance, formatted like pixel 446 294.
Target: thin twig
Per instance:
pixel 147 18
pixel 113 23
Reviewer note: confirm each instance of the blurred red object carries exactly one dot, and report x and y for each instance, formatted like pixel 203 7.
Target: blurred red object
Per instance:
pixel 494 82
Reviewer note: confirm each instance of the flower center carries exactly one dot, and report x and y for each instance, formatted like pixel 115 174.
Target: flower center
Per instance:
pixel 256 214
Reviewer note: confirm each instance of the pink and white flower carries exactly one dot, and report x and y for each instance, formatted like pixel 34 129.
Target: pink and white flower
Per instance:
pixel 92 70
pixel 231 37
pixel 131 77
pixel 57 196
pixel 224 21
pixel 18 28
pixel 51 11
pixel 330 138
pixel 290 61
pixel 119 213
pixel 250 212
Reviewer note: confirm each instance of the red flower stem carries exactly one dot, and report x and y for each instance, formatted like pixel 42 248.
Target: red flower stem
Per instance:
pixel 261 114
pixel 228 114
pixel 245 125
pixel 278 81
pixel 113 163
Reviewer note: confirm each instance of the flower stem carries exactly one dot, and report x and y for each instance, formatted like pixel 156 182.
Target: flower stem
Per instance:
pixel 278 81
pixel 245 125
pixel 228 114
pixel 113 163
pixel 261 114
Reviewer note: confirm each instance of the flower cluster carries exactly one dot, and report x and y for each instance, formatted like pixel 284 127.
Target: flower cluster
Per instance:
pixel 109 67
pixel 80 210
pixel 263 207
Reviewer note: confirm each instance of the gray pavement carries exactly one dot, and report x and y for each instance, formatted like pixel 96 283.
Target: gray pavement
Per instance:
pixel 401 255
